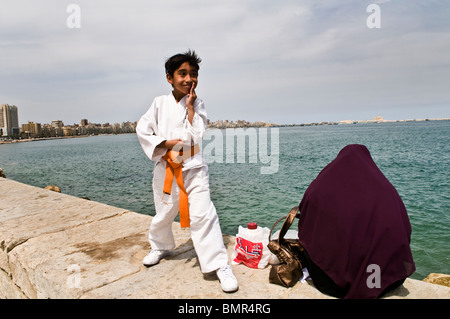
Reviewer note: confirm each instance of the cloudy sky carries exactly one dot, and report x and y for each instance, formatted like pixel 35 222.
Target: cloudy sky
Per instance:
pixel 278 61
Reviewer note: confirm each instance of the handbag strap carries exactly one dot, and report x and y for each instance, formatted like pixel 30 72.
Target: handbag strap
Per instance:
pixel 289 219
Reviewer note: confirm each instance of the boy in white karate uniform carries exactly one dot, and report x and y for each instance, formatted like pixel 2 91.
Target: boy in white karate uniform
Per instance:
pixel 170 133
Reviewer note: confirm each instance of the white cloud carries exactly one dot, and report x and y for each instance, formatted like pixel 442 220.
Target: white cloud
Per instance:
pixel 263 60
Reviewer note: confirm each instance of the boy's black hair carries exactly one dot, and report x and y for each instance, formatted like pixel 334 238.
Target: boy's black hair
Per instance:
pixel 177 60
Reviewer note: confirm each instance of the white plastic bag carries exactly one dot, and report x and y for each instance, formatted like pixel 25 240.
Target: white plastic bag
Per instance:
pixel 251 246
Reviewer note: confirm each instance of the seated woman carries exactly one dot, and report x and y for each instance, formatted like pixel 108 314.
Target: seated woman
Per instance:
pixel 355 229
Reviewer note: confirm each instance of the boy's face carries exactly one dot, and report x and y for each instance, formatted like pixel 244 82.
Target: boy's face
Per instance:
pixel 183 78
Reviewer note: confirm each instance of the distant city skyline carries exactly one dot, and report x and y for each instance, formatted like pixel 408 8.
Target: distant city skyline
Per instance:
pixel 85 121
pixel 82 121
pixel 10 128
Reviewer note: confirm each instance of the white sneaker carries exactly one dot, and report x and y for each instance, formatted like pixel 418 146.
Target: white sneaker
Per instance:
pixel 228 281
pixel 154 256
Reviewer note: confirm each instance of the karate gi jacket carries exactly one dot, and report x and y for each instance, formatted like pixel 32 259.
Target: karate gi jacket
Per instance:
pixel 166 120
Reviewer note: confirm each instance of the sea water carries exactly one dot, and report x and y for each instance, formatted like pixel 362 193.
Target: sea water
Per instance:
pixel 414 156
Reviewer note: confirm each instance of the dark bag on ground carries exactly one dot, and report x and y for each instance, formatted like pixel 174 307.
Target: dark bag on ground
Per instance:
pixel 288 252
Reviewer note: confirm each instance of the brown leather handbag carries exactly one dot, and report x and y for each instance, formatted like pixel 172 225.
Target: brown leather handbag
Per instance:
pixel 288 252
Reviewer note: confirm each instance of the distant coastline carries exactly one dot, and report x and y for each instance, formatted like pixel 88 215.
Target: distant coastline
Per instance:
pixel 42 139
pixel 225 124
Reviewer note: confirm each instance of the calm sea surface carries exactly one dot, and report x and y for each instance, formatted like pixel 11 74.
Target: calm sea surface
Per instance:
pixel 414 156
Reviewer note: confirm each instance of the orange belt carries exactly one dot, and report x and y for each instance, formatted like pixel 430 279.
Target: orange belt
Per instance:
pixel 174 168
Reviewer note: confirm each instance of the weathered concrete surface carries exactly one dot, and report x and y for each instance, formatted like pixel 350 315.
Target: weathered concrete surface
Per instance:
pixel 57 246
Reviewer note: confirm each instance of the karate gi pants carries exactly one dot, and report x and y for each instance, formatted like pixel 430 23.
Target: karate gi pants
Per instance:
pixel 205 229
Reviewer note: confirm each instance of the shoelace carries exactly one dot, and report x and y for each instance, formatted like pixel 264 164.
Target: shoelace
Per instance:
pixel 227 271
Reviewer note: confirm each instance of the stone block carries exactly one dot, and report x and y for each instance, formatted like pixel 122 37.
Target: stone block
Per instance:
pixel 439 279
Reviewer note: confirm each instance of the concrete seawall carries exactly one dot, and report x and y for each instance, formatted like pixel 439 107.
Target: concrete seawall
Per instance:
pixel 54 245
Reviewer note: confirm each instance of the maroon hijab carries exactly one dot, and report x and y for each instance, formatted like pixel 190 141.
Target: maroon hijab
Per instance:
pixel 354 225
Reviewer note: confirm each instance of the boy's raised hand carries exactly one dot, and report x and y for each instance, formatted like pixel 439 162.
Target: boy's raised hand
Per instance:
pixel 191 96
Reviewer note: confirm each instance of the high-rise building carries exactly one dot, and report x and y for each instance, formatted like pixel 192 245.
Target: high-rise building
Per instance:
pixel 9 121
pixel 57 128
pixel 57 124
pixel 32 129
